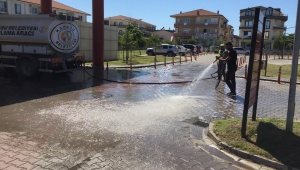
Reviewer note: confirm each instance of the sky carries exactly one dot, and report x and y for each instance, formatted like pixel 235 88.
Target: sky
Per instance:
pixel 158 12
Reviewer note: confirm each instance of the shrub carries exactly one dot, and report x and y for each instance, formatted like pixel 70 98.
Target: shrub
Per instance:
pixel 216 51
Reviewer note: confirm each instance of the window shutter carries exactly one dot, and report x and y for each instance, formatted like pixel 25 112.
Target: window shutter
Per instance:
pixel 16 9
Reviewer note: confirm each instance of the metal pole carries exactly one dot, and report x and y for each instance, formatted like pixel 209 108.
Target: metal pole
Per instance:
pixel 293 81
pixel 283 44
pixel 98 33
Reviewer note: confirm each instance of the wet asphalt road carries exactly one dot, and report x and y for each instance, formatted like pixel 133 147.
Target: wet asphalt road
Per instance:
pixel 89 123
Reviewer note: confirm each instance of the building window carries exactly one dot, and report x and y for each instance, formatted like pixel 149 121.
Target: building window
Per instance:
pixel 247 33
pixel 266 34
pixel 206 31
pixel 207 21
pixel 120 32
pixel 17 8
pixel 248 24
pixel 33 10
pixel 249 12
pixel 186 21
pixel 80 18
pixel 268 23
pixel 120 23
pixel 2 6
pixel 115 23
pixel 269 11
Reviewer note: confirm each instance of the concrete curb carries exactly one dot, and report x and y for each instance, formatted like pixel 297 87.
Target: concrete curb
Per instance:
pixel 243 154
pixel 271 80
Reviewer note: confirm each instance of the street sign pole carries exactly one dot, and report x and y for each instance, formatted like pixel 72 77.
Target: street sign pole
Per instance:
pixel 293 80
pixel 252 87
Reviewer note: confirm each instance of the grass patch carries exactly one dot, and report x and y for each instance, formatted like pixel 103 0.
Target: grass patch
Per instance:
pixel 272 71
pixel 137 60
pixel 266 137
pixel 134 52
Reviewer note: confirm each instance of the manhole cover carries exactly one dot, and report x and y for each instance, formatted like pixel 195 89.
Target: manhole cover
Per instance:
pixel 95 95
pixel 102 96
pixel 197 122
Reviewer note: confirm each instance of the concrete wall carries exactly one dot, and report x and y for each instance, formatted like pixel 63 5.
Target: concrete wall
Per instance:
pixel 110 41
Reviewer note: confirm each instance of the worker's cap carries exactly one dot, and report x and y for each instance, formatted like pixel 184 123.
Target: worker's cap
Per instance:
pixel 222 45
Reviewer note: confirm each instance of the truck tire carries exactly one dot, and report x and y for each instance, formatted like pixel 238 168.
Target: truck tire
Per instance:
pixel 26 67
pixel 150 53
pixel 170 54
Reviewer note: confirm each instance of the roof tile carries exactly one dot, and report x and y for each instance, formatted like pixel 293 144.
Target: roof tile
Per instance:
pixel 57 5
pixel 121 17
pixel 202 12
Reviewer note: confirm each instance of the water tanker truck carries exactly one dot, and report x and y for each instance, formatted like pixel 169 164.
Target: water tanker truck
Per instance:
pixel 39 43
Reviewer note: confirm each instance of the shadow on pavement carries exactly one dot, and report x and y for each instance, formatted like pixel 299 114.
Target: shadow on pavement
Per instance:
pixel 21 90
pixel 282 145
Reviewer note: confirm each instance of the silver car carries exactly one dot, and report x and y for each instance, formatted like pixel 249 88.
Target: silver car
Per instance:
pixel 240 50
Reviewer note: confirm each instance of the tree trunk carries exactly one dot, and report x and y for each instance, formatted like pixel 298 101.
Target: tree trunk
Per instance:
pixel 140 51
pixel 123 56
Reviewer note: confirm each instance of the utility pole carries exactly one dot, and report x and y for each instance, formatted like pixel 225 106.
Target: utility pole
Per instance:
pixel 293 81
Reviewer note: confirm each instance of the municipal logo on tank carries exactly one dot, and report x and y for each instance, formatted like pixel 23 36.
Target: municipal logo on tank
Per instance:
pixel 43 28
pixel 65 36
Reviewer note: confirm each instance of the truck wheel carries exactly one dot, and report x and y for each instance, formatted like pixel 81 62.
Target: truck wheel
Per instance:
pixel 150 53
pixel 27 67
pixel 170 54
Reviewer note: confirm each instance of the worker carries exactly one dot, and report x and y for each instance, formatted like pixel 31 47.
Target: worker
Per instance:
pixel 231 67
pixel 221 64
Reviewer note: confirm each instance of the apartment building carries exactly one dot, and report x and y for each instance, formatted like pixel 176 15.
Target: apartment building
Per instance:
pixel 205 26
pixel 33 7
pixel 164 34
pixel 122 22
pixel 274 26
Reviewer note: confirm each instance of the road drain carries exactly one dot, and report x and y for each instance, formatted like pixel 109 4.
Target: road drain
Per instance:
pixel 197 122
pixel 102 96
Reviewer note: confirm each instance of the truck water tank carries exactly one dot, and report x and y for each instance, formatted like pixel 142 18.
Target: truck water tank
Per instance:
pixel 63 36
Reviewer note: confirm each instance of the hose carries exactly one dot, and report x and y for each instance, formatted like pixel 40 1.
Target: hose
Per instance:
pixel 121 82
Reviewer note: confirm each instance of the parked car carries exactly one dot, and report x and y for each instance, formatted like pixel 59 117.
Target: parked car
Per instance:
pixel 163 49
pixel 192 47
pixel 182 50
pixel 240 50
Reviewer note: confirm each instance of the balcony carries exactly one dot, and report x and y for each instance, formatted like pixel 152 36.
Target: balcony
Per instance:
pixel 281 17
pixel 184 34
pixel 224 26
pixel 196 34
pixel 279 27
pixel 195 24
pixel 246 27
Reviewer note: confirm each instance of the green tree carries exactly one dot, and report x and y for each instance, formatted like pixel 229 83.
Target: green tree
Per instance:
pixel 278 44
pixel 248 44
pixel 192 41
pixel 220 41
pixel 154 40
pixel 141 43
pixel 130 39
